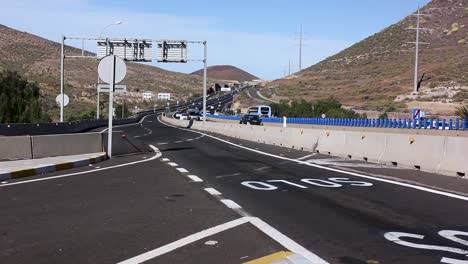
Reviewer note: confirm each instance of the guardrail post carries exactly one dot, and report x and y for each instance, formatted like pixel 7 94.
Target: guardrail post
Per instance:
pixel 413 124
pixel 457 124
pixel 425 123
pixel 436 124
pixel 444 123
pixel 419 124
pixel 431 123
pixel 450 124
pixel 464 124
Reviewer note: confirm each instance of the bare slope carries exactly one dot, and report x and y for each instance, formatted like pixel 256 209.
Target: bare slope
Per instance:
pixel 226 72
pixel 375 71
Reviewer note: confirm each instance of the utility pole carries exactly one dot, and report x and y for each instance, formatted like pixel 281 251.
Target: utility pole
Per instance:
pixel 300 48
pixel 289 67
pixel 417 43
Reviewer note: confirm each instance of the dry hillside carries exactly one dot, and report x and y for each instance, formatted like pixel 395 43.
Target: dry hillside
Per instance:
pixel 226 72
pixel 39 60
pixel 378 71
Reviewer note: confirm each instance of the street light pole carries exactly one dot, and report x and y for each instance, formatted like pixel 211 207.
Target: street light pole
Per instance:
pixel 62 62
pixel 204 81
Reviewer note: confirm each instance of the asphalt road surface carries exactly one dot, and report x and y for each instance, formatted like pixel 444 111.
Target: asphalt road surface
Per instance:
pixel 327 208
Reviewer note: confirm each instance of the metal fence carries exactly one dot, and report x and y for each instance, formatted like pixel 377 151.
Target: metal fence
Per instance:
pixel 449 124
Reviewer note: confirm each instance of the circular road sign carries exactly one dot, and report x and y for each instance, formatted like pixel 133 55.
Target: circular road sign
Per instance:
pixel 66 100
pixel 105 68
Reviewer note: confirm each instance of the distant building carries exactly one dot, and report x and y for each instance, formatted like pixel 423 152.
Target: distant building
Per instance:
pixel 164 96
pixel 147 95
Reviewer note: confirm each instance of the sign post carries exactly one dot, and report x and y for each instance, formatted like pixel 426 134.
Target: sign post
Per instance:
pixel 112 70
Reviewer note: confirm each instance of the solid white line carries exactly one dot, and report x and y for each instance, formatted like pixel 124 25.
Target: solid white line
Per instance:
pixel 230 204
pixel 195 178
pixel 308 156
pixel 178 141
pixel 184 241
pixel 157 155
pixel 182 170
pixel 190 139
pixel 403 184
pixel 141 121
pixel 173 164
pixel 288 243
pixel 212 191
pixel 165 159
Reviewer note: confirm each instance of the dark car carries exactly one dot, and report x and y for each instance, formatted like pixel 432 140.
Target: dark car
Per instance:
pixel 251 119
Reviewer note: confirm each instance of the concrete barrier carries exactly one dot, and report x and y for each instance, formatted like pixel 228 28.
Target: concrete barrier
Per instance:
pixel 13 148
pixel 432 153
pixel 66 144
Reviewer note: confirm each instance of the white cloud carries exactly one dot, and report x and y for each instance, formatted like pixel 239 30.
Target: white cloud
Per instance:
pixel 264 55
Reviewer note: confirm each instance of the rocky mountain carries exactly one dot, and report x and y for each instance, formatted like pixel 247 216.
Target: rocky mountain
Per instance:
pixel 226 72
pixel 377 72
pixel 39 60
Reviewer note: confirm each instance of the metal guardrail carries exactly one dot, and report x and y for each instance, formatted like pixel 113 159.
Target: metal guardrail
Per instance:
pixel 450 124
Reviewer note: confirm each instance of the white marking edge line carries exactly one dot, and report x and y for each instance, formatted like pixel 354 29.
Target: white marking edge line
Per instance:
pixel 141 121
pixel 261 225
pixel 184 241
pixel 212 191
pixel 285 241
pixel 195 178
pixel 403 184
pixel 157 155
pixel 308 156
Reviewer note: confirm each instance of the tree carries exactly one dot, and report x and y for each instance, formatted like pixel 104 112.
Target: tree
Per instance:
pixel 462 111
pixel 20 100
pixel 217 87
pixel 118 111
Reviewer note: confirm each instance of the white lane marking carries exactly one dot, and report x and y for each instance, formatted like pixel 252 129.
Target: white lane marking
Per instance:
pixel 403 184
pixel 288 243
pixel 195 178
pixel 230 204
pixel 262 168
pixel 184 241
pixel 228 175
pixel 157 155
pixel 212 191
pixel 182 170
pixel 141 121
pixel 190 139
pixel 307 156
pixel 178 141
pixel 165 159
pixel 173 164
pixel 163 143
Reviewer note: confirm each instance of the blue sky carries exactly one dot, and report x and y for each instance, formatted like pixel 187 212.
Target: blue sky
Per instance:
pixel 258 36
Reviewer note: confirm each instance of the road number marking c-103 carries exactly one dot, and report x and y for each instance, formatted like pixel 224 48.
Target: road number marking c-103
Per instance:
pixel 452 235
pixel 328 183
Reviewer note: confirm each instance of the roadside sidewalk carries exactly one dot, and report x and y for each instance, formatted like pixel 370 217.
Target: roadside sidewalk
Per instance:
pixel 24 168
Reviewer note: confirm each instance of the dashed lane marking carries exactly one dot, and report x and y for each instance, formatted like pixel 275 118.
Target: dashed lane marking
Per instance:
pixel 195 178
pixel 403 184
pixel 212 191
pixel 165 159
pixel 178 141
pixel 230 204
pixel 182 170
pixel 173 164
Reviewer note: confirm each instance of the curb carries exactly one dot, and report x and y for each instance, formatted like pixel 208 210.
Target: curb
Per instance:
pixel 51 168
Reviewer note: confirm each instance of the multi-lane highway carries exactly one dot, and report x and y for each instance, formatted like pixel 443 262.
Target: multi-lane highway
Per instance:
pixel 335 211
